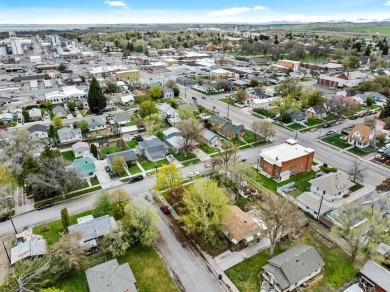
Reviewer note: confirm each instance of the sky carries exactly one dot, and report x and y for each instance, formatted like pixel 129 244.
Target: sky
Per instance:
pixel 189 11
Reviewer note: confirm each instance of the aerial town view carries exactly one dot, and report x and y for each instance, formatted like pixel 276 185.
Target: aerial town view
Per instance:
pixel 205 146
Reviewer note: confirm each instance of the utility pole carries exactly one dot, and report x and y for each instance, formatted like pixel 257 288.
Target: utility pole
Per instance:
pixel 228 111
pixel 319 209
pixel 296 134
pixel 13 225
pixel 6 252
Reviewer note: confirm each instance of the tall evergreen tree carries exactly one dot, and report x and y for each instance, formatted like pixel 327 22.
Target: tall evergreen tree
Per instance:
pixel 65 218
pixel 385 113
pixel 96 100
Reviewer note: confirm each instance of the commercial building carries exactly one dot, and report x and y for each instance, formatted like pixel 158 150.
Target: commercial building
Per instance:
pixel 127 75
pixel 287 65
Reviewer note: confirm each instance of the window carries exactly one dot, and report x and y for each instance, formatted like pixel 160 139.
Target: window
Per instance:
pixel 323 192
pixel 293 169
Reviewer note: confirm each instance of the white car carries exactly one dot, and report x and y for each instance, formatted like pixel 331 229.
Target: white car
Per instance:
pixel 193 174
pixel 378 155
pixel 313 129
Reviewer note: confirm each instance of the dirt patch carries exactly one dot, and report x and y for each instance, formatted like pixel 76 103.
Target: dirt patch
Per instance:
pixel 5 267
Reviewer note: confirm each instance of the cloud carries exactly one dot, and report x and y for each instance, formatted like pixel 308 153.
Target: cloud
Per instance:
pixel 262 8
pixel 116 3
pixel 387 3
pixel 230 11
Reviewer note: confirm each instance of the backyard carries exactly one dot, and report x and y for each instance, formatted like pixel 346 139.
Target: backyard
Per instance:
pixel 132 144
pixel 113 147
pixel 68 155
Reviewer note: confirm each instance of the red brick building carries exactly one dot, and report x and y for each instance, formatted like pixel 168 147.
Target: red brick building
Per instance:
pixel 285 160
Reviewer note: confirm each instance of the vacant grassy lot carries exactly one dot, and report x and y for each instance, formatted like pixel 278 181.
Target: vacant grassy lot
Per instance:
pixel 112 149
pixel 134 169
pixel 336 141
pixel 249 136
pixel 68 155
pixel 207 149
pixel 227 100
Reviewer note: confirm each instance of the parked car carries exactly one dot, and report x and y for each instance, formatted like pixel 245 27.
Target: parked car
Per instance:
pixel 194 98
pixel 378 156
pixel 111 174
pixel 136 178
pixel 313 129
pixel 44 206
pixel 373 112
pixel 107 168
pixel 38 101
pixel 165 210
pixel 331 132
pixel 383 160
pixel 193 174
pixel 345 132
pixel 207 165
pixel 326 125
pixel 351 126
pixel 138 138
pixel 353 117
pixel 170 157
pixel 362 115
pixel 381 150
pixel 203 97
pixel 5 218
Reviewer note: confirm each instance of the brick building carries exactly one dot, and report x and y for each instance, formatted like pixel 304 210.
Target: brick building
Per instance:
pixel 285 160
pixel 127 75
pixel 287 65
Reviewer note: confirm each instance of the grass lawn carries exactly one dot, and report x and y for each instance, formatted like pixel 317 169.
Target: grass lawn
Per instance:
pixel 146 165
pixel 95 181
pixel 336 141
pixel 296 126
pixel 134 169
pixel 356 187
pixel 314 122
pixel 111 149
pixel 132 144
pixel 51 231
pixel 190 162
pixel 207 149
pixel 73 282
pixel 148 269
pixel 249 136
pixel 227 100
pixel 363 152
pixel 238 142
pixel 68 155
pixel 245 274
pixel 268 183
pixel 181 156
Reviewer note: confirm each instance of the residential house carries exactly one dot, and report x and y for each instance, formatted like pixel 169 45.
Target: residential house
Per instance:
pixel 226 127
pixel 362 136
pixel 186 81
pixel 297 116
pixel 81 149
pixel 85 166
pixel 93 230
pixel 128 155
pixel 168 93
pixel 317 112
pixel 311 204
pixel 365 60
pixel 174 140
pixel 6 118
pixel 331 186
pixel 290 269
pixel 210 138
pixel 18 113
pixel 67 135
pixel 259 102
pixel 169 113
pixel 122 118
pixel 111 277
pixel 240 228
pixel 378 97
pixel 374 277
pixel 127 99
pixel 47 84
pixel 35 247
pixel 96 124
pixel 153 148
pixel 35 114
pixel 38 131
pixel 285 160
pixel 59 111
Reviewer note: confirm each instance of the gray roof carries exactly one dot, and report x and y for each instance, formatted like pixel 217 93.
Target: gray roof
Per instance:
pixel 377 274
pixel 95 122
pixel 295 114
pixel 66 132
pixel 156 151
pixel 79 145
pixel 36 247
pixel 59 109
pixel 294 264
pixel 319 109
pixel 234 129
pixel 111 277
pixel 122 117
pixel 333 183
pixel 219 120
pixel 128 155
pixel 149 143
pixel 37 128
pixel 313 202
pixel 208 135
pixel 35 112
pixel 171 130
pixel 94 228
pixel 383 248
pixel 167 109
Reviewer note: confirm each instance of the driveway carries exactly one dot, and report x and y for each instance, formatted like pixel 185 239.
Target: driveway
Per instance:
pixel 100 172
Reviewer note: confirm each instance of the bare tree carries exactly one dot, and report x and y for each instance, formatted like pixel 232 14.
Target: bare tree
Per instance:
pixel 370 122
pixel 384 186
pixel 263 129
pixel 356 173
pixel 228 154
pixel 280 217
pixel 190 132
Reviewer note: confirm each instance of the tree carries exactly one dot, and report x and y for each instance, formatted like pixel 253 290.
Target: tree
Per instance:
pixel 94 150
pixel 240 96
pixel 71 105
pixel 263 129
pixel 102 204
pixel 111 86
pixel 54 178
pixel 169 178
pixel 7 189
pixel 52 289
pixel 205 207
pixel 315 98
pixel 370 122
pixel 191 131
pixel 57 122
pixel 116 242
pixel 228 154
pixel 154 123
pixel 369 101
pixel 290 86
pixel 48 152
pixel 83 126
pixel 155 92
pixel 186 111
pixel 119 199
pixel 96 99
pixel 381 137
pixel 61 67
pixel 384 186
pixel 147 108
pixel 51 131
pixel 65 218
pixel 356 172
pixel 280 216
pixel 30 165
pixel 385 113
pixel 170 84
pixel 118 165
pixel 254 83
pixel 176 91
pixel 140 222
pixel 67 254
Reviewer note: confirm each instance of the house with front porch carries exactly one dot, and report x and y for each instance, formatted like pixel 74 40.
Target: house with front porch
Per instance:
pixel 153 148
pixel 168 93
pixel 362 136
pixel 226 127
pixel 297 116
pixel 317 112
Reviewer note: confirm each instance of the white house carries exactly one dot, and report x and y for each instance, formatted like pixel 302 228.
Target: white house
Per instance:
pixel 331 186
pixel 313 204
pixel 68 93
pixel 362 136
pixel 80 149
pixel 38 131
pixel 67 135
pixel 259 103
pixel 33 85
pixel 127 99
pixel 168 93
pixel 35 114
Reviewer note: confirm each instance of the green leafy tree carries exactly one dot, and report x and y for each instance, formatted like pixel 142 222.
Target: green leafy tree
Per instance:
pixel 51 131
pixel 119 199
pixel 57 122
pixel 118 165
pixel 96 99
pixel 369 101
pixel 61 67
pixel 49 153
pixel 315 98
pixel 169 179
pixel 65 218
pixel 116 242
pixel 205 207
pixel 94 150
pixel 71 105
pixel 147 108
pixel 170 84
pixel 30 165
pixel 83 126
pixel 385 113
pixel 240 96
pixel 102 204
pixel 176 91
pixel 186 111
pixel 155 92
pixel 154 123
pixel 254 83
